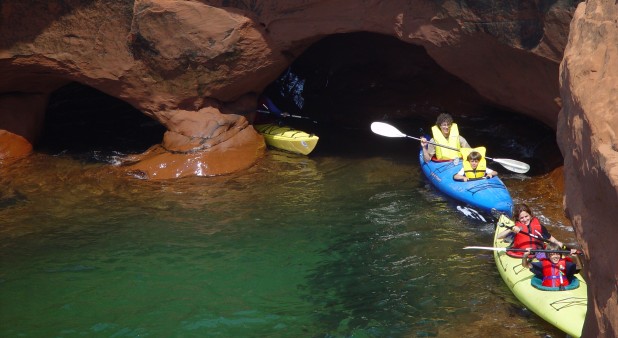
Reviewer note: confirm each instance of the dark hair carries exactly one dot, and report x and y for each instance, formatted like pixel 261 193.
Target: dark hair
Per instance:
pixel 553 246
pixel 518 208
pixel 474 155
pixel 444 118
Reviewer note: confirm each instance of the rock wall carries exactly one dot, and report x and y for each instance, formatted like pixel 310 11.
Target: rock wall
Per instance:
pixel 198 66
pixel 181 62
pixel 586 133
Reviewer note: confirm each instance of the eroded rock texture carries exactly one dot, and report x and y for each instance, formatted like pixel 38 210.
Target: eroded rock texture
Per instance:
pixel 184 63
pixel 195 66
pixel 587 137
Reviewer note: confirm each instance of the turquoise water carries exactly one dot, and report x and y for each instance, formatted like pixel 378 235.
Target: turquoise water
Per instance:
pixel 323 246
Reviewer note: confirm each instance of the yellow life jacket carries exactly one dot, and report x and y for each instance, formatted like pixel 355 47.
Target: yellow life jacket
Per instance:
pixel 453 142
pixel 479 172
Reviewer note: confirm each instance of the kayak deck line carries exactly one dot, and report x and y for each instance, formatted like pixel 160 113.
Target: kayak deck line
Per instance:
pixel 564 309
pixel 483 194
pixel 287 138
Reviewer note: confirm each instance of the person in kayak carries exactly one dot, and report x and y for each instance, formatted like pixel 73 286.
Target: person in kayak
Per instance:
pixel 445 132
pixel 528 231
pixel 555 271
pixel 267 112
pixel 474 165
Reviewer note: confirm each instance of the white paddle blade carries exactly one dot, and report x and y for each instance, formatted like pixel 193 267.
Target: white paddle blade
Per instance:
pixel 485 248
pixel 513 165
pixel 386 129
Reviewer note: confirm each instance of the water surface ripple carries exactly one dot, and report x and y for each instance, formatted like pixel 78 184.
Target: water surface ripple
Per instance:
pixel 293 247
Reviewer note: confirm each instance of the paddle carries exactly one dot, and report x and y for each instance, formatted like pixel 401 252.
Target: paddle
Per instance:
pixel 526 233
pixel 494 212
pixel 387 130
pixel 516 250
pixel 283 114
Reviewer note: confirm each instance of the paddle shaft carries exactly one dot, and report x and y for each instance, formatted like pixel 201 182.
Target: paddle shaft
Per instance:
pixel 387 130
pixel 533 236
pixel 284 114
pixel 441 145
pixel 528 234
pixel 540 250
pixel 516 250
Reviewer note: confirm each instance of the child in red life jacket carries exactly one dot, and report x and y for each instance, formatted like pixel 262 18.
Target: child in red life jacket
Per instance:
pixel 555 271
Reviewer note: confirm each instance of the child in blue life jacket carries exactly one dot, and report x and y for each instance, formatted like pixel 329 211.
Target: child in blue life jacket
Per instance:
pixel 555 271
pixel 474 166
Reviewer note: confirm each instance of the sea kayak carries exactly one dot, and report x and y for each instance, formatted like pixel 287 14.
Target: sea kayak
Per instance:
pixel 564 309
pixel 484 194
pixel 288 139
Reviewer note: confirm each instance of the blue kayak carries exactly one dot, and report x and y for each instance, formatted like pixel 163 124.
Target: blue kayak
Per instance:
pixel 482 194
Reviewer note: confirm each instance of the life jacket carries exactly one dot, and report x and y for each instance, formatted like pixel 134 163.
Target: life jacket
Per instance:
pixel 522 241
pixel 453 142
pixel 479 172
pixel 554 275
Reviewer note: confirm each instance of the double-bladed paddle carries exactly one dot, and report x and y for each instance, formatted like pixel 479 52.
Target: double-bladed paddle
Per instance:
pixel 283 114
pixel 491 248
pixel 387 130
pixel 540 238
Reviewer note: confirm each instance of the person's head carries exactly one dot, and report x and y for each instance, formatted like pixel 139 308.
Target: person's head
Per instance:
pixel 554 257
pixel 474 158
pixel 444 122
pixel 522 213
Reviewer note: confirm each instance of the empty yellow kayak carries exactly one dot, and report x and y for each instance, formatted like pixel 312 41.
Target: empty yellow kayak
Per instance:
pixel 286 138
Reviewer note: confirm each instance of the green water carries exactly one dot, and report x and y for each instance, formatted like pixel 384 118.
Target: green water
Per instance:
pixel 322 246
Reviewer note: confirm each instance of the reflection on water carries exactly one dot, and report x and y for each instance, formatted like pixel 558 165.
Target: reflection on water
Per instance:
pixel 295 246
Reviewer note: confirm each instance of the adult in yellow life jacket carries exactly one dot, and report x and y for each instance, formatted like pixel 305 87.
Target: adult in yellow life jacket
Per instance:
pixel 445 132
pixel 474 165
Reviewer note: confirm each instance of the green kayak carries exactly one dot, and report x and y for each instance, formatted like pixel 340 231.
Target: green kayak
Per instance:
pixel 564 309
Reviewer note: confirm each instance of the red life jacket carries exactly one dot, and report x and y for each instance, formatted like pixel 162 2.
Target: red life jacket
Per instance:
pixel 554 275
pixel 522 241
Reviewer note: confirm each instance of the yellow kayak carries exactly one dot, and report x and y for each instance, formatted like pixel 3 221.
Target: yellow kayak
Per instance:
pixel 286 138
pixel 565 309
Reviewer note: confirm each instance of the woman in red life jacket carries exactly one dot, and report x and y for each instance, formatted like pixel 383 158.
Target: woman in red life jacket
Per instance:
pixel 555 271
pixel 529 232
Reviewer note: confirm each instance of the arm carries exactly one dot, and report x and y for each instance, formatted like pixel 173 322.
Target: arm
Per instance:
pixel 546 235
pixel 525 262
pixel 514 229
pixel 504 233
pixel 463 143
pixel 578 263
pixel 490 173
pixel 555 241
pixel 460 176
pixel 428 149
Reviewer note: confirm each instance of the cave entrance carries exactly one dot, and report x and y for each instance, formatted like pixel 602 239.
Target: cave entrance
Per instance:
pixel 92 126
pixel 346 81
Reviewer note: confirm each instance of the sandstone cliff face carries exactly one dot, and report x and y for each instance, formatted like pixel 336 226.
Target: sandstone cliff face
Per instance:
pixel 587 137
pixel 184 62
pixel 177 62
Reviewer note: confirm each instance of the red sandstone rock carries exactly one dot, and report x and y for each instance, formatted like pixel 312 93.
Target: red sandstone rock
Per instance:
pixel 587 130
pixel 170 58
pixel 184 62
pixel 12 147
pixel 221 158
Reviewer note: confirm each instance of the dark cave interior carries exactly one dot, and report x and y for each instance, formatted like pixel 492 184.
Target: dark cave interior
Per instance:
pixel 343 82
